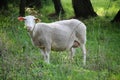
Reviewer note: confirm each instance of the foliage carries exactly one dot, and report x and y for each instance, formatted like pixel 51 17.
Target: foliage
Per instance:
pixel 20 60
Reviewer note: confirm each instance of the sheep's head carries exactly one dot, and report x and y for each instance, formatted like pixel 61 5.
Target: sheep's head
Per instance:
pixel 30 21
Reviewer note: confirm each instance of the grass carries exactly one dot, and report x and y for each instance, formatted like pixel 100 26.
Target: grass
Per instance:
pixel 19 60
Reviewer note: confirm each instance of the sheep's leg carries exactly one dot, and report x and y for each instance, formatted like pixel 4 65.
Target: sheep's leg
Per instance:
pixel 84 53
pixel 72 53
pixel 47 57
pixel 46 54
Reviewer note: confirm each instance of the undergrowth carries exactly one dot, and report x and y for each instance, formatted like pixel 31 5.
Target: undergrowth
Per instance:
pixel 20 60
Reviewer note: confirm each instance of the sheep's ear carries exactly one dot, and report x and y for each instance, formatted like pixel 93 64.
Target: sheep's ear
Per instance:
pixel 21 18
pixel 37 20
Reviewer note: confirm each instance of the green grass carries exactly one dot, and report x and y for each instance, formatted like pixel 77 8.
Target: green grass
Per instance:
pixel 22 61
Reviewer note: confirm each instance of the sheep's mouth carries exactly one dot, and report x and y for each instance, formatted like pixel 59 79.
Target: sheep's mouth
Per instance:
pixel 28 28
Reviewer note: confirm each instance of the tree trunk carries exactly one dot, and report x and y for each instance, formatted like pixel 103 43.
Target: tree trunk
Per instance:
pixel 117 17
pixel 58 7
pixel 32 3
pixel 3 4
pixel 22 8
pixel 83 8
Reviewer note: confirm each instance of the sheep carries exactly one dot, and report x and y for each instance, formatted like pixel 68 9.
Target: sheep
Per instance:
pixel 64 35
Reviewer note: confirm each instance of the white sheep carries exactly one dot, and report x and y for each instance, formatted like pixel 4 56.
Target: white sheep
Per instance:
pixel 58 36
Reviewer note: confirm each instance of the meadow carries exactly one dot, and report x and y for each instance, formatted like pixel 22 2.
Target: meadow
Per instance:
pixel 20 60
